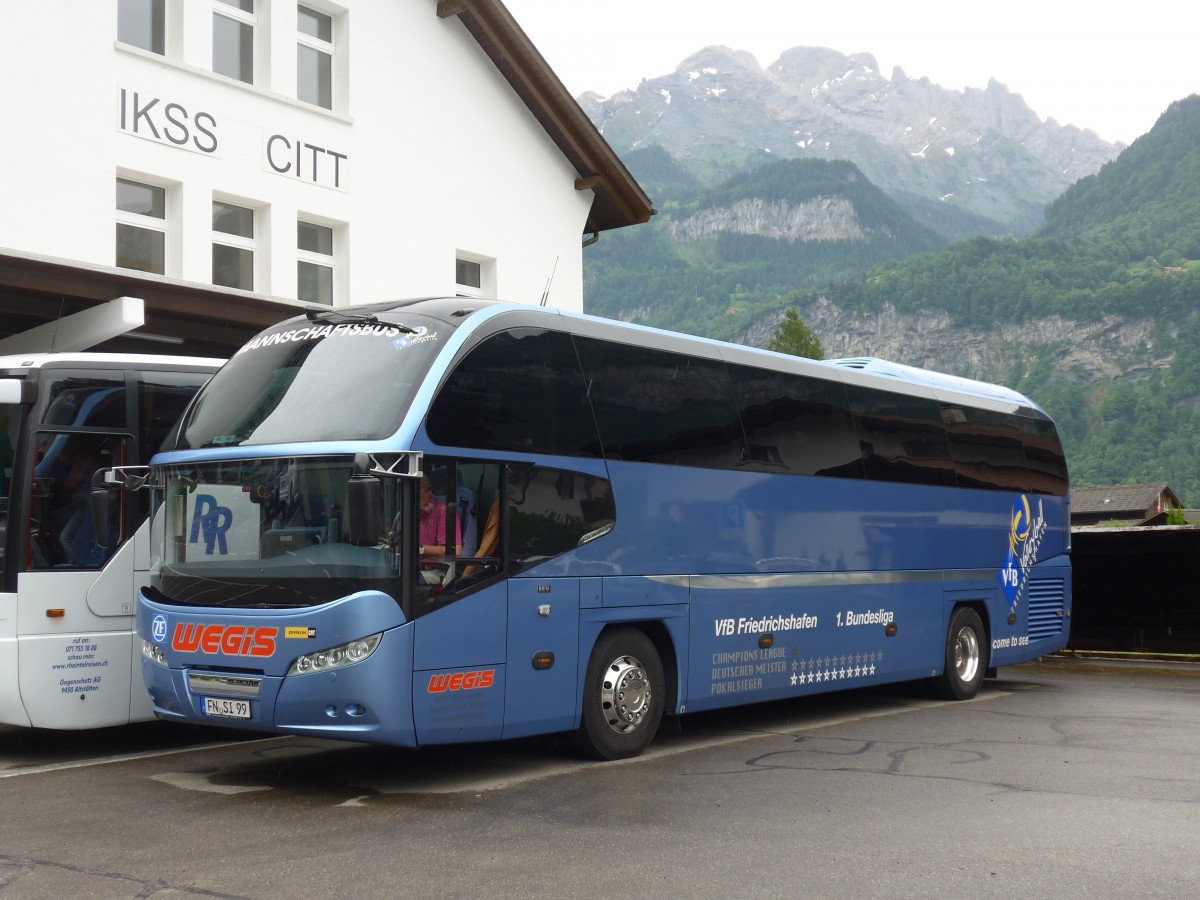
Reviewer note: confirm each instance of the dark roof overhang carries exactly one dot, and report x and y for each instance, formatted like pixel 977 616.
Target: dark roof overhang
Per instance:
pixel 619 199
pixel 181 317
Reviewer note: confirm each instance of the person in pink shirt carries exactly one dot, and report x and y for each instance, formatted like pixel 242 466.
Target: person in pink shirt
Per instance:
pixel 433 525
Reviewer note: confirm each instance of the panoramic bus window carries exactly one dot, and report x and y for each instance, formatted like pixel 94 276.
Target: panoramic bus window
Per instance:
pixel 901 437
pixel 986 448
pixel 518 391
pixel 796 424
pixel 1047 464
pixel 61 532
pixel 551 512
pixel 660 407
pixel 315 381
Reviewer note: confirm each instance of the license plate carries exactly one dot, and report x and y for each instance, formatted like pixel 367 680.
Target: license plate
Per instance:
pixel 226 709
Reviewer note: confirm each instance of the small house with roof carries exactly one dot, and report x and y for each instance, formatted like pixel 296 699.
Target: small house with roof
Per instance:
pixel 1123 504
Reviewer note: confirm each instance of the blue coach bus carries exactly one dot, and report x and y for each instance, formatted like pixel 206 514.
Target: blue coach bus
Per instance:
pixel 446 520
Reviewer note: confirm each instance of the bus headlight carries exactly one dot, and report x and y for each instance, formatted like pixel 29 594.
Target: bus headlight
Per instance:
pixel 154 654
pixel 338 657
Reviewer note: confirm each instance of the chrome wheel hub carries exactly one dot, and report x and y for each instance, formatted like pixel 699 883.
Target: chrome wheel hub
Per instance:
pixel 625 694
pixel 966 654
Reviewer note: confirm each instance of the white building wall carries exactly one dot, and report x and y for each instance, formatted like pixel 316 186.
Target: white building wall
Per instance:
pixel 435 155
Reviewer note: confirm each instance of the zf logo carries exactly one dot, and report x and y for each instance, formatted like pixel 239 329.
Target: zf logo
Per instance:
pixel 158 629
pixel 214 520
pixel 724 627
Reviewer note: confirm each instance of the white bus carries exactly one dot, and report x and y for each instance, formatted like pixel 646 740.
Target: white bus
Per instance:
pixel 67 655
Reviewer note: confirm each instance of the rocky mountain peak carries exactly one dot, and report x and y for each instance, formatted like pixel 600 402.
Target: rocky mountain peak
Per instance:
pixel 982 152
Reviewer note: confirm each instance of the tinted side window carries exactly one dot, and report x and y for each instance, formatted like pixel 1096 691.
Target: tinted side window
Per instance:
pixel 986 448
pixel 61 532
pixel 162 397
pixel 519 391
pixel 796 424
pixel 84 399
pixel 1047 465
pixel 660 407
pixel 901 437
pixel 551 512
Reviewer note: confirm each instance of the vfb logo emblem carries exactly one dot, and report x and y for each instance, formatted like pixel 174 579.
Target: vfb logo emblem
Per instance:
pixel 158 629
pixel 213 520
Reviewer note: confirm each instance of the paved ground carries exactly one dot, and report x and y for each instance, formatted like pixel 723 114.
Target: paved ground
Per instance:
pixel 1075 778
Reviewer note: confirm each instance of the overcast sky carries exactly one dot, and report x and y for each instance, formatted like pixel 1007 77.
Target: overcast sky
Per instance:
pixel 1109 67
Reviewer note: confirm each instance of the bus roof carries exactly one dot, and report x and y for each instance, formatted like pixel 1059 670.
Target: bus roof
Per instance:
pixel 472 316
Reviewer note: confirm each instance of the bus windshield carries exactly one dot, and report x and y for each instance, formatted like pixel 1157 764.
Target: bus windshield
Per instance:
pixel 303 380
pixel 268 533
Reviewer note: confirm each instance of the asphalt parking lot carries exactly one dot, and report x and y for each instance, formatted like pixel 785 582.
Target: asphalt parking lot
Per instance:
pixel 1072 777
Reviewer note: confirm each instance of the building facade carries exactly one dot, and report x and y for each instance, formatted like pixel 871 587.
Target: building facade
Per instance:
pixel 296 153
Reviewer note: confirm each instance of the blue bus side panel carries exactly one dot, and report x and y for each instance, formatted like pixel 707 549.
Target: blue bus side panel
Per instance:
pixel 639 590
pixel 543 620
pixel 458 679
pixel 364 702
pixel 824 639
pixel 465 633
pixel 453 706
pixel 678 520
pixel 1043 616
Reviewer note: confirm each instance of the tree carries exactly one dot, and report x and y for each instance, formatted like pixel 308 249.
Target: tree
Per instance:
pixel 795 337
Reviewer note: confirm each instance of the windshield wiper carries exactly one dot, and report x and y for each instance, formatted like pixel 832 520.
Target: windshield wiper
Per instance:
pixel 223 440
pixel 337 317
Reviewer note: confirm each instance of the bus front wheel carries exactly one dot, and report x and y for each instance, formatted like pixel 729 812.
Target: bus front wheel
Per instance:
pixel 966 656
pixel 622 696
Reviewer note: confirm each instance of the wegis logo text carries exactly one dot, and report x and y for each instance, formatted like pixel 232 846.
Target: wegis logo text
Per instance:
pixel 461 681
pixel 229 640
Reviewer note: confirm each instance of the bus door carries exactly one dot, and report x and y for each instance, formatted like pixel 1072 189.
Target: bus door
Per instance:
pixel 74 609
pixel 553 517
pixel 460 604
pixel 11 415
pixel 67 654
pixel 497 646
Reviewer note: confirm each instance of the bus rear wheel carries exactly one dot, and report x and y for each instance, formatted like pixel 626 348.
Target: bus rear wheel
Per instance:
pixel 622 696
pixel 966 656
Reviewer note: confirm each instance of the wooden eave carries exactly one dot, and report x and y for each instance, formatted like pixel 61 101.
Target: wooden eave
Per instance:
pixel 208 320
pixel 619 199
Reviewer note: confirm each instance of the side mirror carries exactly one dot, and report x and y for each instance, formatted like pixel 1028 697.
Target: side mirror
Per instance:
pixel 364 504
pixel 99 503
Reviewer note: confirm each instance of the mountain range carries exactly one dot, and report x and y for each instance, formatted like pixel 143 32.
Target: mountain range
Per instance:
pixel 975 162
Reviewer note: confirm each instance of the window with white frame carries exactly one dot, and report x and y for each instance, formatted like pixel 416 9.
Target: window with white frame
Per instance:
pixel 468 277
pixel 233 39
pixel 141 226
pixel 315 263
pixel 233 245
pixel 314 57
pixel 142 23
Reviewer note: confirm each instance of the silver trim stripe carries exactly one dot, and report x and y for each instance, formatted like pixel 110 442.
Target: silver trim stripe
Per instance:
pixel 819 579
pixel 225 685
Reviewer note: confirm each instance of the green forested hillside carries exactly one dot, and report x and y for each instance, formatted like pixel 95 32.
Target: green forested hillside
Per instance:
pixel 714 286
pixel 1147 201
